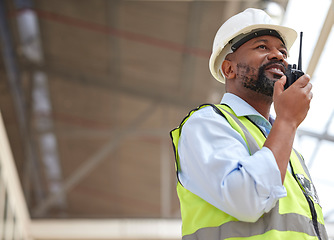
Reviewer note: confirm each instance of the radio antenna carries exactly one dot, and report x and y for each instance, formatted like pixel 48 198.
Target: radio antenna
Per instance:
pixel 300 52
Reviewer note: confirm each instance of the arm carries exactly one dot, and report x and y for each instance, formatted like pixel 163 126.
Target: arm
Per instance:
pixel 291 108
pixel 216 165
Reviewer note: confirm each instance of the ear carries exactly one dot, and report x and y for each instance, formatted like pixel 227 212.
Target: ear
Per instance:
pixel 228 69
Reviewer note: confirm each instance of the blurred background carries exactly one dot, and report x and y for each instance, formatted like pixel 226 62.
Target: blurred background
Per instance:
pixel 89 91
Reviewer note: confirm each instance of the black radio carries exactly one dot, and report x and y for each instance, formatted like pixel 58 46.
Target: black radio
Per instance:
pixel 293 72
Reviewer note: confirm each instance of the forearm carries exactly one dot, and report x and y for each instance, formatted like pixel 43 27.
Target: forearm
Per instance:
pixel 280 142
pixel 245 188
pixel 291 108
pixel 216 165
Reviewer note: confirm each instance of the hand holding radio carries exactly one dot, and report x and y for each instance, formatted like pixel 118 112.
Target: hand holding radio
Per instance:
pixel 300 96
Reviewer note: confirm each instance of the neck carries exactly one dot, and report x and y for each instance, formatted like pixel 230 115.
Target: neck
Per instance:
pixel 262 107
pixel 259 102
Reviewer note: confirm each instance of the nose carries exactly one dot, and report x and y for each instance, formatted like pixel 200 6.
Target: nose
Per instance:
pixel 276 54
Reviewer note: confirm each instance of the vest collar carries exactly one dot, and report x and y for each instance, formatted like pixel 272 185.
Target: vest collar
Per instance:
pixel 242 109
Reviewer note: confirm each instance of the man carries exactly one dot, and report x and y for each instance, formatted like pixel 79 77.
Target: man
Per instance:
pixel 239 176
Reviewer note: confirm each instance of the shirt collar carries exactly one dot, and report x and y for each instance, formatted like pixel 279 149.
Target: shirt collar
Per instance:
pixel 242 108
pixel 239 106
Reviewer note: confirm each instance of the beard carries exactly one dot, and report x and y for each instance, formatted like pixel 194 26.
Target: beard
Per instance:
pixel 257 81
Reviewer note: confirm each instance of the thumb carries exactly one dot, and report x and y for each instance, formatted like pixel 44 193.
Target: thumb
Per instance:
pixel 279 86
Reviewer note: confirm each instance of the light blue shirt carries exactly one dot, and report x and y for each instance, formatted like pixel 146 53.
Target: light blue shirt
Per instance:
pixel 216 165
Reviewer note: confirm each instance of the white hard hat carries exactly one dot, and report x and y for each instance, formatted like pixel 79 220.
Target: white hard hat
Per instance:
pixel 239 27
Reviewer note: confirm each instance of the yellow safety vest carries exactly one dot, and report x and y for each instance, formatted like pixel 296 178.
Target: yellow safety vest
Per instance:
pixel 296 216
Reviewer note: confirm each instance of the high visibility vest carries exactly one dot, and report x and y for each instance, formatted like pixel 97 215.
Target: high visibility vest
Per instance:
pixel 296 216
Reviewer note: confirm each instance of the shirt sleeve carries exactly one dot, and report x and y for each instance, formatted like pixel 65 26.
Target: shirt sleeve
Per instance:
pixel 216 166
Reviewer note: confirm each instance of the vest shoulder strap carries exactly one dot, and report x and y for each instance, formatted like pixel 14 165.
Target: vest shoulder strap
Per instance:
pixel 237 124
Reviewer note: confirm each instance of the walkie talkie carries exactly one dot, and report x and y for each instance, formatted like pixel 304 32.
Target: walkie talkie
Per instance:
pixel 293 72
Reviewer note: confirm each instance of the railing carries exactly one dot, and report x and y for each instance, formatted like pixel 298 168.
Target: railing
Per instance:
pixel 14 216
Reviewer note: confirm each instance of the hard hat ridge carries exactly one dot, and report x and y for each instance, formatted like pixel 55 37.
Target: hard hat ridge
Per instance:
pixel 240 27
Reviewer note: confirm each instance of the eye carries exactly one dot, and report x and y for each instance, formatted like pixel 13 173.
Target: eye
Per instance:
pixel 262 46
pixel 284 53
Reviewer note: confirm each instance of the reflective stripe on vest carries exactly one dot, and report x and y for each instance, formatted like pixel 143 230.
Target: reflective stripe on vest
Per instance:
pixel 252 145
pixel 238 229
pixel 290 219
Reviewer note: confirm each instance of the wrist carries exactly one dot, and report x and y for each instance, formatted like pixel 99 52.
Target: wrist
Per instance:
pixel 286 124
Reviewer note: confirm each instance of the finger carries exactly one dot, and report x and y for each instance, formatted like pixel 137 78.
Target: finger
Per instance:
pixel 303 80
pixel 279 86
pixel 308 87
pixel 307 90
pixel 281 82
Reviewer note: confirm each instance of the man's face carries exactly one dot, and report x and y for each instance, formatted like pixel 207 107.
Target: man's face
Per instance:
pixel 260 62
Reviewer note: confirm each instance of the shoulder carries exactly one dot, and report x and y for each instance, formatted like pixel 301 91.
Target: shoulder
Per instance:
pixel 209 111
pixel 205 119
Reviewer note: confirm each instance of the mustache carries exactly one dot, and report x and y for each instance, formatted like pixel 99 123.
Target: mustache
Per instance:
pixel 262 67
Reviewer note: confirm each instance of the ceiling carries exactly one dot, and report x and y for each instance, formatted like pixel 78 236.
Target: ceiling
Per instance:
pixel 89 93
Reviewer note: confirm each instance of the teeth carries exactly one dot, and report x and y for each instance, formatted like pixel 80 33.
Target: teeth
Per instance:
pixel 277 70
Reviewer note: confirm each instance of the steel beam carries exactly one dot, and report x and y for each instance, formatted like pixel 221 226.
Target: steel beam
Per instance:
pixel 13 73
pixel 319 47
